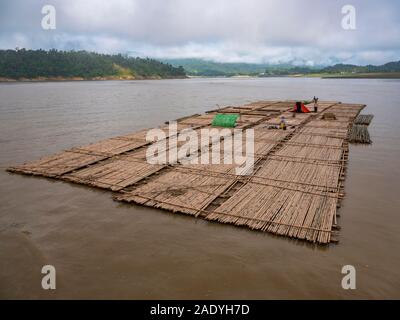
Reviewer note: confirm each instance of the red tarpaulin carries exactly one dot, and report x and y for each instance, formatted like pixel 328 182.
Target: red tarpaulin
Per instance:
pixel 301 109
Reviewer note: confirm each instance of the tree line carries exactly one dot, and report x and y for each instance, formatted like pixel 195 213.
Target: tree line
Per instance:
pixel 22 63
pixel 390 67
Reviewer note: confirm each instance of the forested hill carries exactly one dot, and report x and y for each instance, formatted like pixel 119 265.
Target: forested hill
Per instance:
pixel 198 67
pixel 388 67
pixel 34 64
pixel 206 68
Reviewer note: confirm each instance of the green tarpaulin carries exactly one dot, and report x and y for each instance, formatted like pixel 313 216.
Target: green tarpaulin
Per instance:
pixel 225 120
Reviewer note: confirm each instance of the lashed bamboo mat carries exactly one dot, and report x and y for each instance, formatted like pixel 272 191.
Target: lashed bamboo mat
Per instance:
pixel 294 189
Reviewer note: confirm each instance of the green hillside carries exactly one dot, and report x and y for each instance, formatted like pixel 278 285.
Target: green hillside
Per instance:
pixel 31 64
pixel 350 68
pixel 198 67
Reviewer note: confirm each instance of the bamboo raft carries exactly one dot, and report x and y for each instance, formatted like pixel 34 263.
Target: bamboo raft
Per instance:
pixel 294 190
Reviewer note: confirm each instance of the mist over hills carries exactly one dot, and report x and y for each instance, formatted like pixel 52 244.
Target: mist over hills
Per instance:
pixel 51 64
pixel 199 67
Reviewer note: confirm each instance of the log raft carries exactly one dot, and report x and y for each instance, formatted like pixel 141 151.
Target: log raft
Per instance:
pixel 295 188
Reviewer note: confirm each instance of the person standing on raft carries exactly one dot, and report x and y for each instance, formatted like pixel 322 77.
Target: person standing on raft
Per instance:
pixel 315 100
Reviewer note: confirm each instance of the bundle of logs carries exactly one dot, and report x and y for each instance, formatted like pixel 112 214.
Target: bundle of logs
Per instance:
pixel 359 131
pixel 359 134
pixel 364 119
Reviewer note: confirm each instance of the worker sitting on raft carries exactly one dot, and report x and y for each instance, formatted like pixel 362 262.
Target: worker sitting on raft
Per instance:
pixel 282 124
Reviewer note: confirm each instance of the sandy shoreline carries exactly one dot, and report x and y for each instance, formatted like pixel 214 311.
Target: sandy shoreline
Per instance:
pixel 56 79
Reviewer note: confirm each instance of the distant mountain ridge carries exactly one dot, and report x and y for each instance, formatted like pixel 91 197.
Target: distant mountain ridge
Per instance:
pixel 22 64
pixel 198 67
pixel 387 67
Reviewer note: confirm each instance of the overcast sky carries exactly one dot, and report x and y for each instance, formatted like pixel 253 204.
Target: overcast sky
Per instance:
pixel 257 31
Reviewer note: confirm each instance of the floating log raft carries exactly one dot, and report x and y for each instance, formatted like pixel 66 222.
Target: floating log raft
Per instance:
pixel 294 189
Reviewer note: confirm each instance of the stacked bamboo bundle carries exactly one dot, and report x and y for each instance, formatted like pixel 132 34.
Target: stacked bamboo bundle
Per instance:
pixel 58 164
pixel 346 110
pixel 229 110
pixel 178 191
pixel 290 213
pixel 114 175
pixel 306 139
pixel 344 114
pixel 348 107
pixel 296 174
pixel 246 120
pixel 328 116
pixel 359 134
pixel 163 150
pixel 201 120
pixel 364 119
pixel 327 132
pixel 329 124
pixel 244 108
pixel 139 135
pixel 236 110
pixel 339 118
pixel 359 131
pixel 209 169
pixel 280 107
pixel 260 104
pixel 263 113
pixel 206 157
pixel 111 146
pixel 318 154
pixel 261 148
pixel 262 133
pixel 248 112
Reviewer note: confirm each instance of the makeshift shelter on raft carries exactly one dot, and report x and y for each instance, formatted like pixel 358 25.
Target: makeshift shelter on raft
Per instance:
pixel 300 108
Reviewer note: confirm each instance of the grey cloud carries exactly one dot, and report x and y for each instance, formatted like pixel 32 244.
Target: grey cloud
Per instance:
pixel 222 30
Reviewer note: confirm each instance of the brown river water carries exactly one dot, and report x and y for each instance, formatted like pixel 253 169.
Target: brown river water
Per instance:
pixel 105 249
